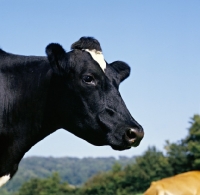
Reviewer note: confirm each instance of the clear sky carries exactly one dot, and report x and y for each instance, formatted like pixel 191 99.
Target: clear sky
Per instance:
pixel 160 40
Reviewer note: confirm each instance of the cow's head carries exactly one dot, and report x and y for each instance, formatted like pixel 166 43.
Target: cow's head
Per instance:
pixel 88 102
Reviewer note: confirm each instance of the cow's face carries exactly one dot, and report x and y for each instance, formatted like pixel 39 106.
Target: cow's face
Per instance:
pixel 88 101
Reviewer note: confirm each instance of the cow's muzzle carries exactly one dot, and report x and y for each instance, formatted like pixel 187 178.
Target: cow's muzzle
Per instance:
pixel 122 131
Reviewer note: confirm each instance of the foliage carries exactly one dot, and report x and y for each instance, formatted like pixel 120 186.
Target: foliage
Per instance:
pixel 75 171
pixel 153 165
pixel 177 156
pixel 104 183
pixel 4 192
pixel 185 154
pixel 49 186
pixel 193 143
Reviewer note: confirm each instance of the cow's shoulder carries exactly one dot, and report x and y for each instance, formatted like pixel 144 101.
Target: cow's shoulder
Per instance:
pixel 10 62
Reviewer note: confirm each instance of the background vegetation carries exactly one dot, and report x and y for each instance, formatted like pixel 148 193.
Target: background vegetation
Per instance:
pixel 108 176
pixel 75 171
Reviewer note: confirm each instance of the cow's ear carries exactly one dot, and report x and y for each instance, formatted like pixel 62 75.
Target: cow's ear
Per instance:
pixel 122 69
pixel 56 55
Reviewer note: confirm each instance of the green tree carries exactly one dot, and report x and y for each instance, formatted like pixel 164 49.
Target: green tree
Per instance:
pixel 49 186
pixel 116 168
pixel 73 170
pixel 153 165
pixel 107 183
pixel 193 143
pixel 4 192
pixel 184 155
pixel 177 156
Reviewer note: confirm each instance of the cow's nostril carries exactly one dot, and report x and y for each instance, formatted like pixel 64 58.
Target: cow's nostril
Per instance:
pixel 131 134
pixel 134 136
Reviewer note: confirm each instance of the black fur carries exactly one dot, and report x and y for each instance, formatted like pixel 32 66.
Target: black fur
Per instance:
pixel 122 71
pixel 39 95
pixel 55 53
pixel 87 43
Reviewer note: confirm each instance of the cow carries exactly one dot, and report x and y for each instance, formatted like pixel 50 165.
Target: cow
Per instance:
pixel 75 90
pixel 182 184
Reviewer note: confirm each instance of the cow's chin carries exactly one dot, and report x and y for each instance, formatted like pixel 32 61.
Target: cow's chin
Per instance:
pixel 98 142
pixel 112 142
pixel 114 147
pixel 120 148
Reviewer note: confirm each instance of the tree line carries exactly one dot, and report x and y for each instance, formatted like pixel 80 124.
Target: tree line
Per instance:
pixel 134 178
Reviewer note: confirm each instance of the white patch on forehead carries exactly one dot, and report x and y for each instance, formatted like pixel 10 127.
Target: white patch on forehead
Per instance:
pixel 4 179
pixel 98 57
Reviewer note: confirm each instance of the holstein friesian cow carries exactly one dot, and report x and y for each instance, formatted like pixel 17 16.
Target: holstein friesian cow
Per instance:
pixel 182 184
pixel 75 90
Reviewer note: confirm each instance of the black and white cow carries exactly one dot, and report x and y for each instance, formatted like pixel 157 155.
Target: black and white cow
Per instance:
pixel 75 90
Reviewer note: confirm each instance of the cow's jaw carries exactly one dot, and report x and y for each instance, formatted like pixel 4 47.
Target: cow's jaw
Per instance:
pixel 4 179
pixel 98 57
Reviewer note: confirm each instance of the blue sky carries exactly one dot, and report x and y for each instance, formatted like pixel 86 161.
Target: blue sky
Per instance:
pixel 160 40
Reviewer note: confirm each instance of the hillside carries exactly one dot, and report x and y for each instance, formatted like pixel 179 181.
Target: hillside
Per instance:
pixel 75 171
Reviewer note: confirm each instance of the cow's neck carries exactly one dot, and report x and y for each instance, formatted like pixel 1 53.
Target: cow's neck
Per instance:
pixel 24 111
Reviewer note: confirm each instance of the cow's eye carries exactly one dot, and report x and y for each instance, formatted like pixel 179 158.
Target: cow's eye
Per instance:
pixel 88 79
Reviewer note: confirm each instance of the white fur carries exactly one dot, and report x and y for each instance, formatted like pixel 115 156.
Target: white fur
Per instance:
pixel 4 179
pixel 98 57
